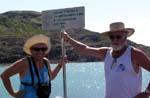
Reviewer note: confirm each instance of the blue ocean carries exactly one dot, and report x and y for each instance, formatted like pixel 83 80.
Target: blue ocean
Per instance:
pixel 84 80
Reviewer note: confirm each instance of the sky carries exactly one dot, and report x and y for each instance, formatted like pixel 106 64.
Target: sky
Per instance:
pixel 98 13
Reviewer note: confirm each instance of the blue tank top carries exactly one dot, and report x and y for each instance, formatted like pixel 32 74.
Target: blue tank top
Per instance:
pixel 30 91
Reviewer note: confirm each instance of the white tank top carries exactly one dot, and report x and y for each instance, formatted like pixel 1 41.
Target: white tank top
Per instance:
pixel 121 80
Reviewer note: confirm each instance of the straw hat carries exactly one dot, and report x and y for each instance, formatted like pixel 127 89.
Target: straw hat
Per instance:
pixel 119 26
pixel 35 40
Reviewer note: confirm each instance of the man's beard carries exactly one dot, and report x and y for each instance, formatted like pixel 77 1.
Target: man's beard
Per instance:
pixel 119 47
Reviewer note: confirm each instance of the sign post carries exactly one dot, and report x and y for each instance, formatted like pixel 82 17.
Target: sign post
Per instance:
pixel 61 19
pixel 64 67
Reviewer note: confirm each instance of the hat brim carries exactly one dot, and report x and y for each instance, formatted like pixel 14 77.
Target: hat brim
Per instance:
pixel 129 31
pixel 35 40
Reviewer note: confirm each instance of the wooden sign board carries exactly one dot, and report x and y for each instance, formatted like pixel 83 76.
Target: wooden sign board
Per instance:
pixel 63 18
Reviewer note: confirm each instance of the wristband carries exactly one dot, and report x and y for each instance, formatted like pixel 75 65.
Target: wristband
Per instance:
pixel 59 66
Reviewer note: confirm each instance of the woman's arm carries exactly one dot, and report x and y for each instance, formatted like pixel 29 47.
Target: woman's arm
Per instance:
pixel 56 70
pixel 8 73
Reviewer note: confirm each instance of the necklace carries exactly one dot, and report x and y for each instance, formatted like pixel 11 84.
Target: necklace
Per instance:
pixel 115 55
pixel 114 63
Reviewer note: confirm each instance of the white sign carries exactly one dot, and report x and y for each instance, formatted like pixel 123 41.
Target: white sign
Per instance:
pixel 63 18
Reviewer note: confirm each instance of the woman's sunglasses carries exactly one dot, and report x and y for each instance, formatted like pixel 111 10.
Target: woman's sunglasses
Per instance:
pixel 39 49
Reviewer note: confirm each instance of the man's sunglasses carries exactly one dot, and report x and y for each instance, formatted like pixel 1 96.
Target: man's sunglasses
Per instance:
pixel 117 37
pixel 39 49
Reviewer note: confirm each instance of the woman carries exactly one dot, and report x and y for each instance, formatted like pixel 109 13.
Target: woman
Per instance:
pixel 33 69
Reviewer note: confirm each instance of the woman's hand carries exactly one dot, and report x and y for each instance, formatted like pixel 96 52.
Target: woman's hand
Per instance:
pixel 18 94
pixel 63 61
pixel 61 64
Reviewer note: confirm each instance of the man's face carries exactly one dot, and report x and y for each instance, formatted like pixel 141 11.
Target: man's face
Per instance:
pixel 118 39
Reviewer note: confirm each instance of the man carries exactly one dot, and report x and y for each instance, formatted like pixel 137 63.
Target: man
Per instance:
pixel 122 63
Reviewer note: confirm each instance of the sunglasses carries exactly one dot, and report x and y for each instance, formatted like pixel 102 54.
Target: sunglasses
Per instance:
pixel 117 37
pixel 39 49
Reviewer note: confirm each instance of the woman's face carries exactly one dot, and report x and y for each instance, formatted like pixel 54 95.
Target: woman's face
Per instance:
pixel 39 50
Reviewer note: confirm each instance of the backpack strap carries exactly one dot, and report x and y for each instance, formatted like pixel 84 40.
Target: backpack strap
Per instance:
pixel 45 62
pixel 36 70
pixel 31 73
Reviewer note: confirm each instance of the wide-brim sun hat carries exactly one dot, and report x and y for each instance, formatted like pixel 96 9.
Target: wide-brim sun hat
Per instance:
pixel 40 38
pixel 118 26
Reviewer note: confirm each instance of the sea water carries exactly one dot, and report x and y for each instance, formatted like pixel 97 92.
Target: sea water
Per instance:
pixel 84 80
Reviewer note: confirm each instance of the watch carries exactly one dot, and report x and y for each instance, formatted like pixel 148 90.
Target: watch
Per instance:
pixel 147 91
